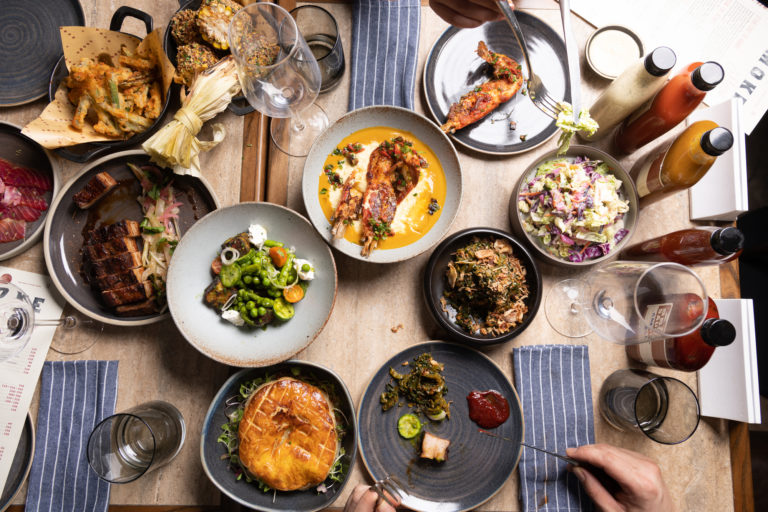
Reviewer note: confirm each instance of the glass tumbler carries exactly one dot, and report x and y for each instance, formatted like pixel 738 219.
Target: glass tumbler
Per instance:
pixel 321 32
pixel 663 408
pixel 129 444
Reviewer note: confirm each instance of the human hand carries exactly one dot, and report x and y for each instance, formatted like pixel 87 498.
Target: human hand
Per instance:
pixel 365 499
pixel 642 488
pixel 466 13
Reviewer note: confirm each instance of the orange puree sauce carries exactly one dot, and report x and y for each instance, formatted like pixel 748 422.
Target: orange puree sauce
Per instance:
pixel 412 218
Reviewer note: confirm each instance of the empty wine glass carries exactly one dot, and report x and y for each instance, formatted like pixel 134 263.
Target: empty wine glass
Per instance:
pixel 278 74
pixel 17 316
pixel 629 302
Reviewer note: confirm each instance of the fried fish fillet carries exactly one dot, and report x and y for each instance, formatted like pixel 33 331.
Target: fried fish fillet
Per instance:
pixel 288 435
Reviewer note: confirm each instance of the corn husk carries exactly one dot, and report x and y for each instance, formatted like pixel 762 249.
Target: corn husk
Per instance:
pixel 176 145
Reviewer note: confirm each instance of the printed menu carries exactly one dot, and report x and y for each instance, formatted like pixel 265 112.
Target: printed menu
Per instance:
pixel 19 375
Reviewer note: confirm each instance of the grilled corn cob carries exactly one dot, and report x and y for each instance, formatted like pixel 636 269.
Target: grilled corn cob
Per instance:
pixel 213 19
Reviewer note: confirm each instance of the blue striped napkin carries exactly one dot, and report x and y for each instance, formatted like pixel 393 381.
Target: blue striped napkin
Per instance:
pixel 74 397
pixel 385 47
pixel 555 391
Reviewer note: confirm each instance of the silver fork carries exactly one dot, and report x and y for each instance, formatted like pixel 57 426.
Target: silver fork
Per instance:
pixel 389 490
pixel 536 89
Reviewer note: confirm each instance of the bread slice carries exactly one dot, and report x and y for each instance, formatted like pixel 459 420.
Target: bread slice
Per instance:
pixel 145 307
pixel 123 228
pixel 113 265
pixel 96 188
pixel 110 248
pixel 127 294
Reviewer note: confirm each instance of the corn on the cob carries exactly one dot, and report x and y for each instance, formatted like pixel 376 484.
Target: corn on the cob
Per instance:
pixel 213 19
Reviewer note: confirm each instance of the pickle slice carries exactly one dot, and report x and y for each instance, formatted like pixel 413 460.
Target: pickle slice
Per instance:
pixel 408 426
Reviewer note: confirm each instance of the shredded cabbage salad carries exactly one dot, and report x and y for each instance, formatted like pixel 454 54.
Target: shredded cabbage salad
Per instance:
pixel 568 125
pixel 573 206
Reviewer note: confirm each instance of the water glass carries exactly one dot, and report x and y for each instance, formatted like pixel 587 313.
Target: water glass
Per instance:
pixel 663 408
pixel 129 444
pixel 17 318
pixel 321 32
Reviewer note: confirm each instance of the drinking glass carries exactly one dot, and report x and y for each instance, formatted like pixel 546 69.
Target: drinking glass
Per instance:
pixel 278 74
pixel 129 444
pixel 662 408
pixel 321 32
pixel 17 317
pixel 629 302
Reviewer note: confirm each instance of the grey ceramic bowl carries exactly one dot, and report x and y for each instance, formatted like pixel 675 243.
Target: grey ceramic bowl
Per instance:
pixel 21 150
pixel 628 191
pixel 249 494
pixel 400 119
pixel 189 274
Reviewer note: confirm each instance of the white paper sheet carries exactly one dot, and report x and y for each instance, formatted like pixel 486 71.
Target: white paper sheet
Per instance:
pixel 19 375
pixel 733 33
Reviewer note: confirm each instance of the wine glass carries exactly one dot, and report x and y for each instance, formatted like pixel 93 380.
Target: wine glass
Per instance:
pixel 278 74
pixel 629 302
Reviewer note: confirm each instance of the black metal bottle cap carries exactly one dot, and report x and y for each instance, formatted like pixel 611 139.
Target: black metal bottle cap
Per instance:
pixel 718 332
pixel 717 141
pixel 707 76
pixel 660 61
pixel 727 241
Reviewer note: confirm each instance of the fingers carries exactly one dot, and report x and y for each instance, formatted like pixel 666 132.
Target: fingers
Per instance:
pixel 596 491
pixel 620 464
pixel 465 14
pixel 365 499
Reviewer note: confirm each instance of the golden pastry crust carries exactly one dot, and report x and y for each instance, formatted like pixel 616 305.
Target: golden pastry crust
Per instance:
pixel 288 435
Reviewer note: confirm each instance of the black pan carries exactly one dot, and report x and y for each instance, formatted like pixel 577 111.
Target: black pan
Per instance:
pixel 82 153
pixel 31 44
pixel 239 105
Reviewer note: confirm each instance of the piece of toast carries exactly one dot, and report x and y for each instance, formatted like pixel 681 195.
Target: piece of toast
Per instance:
pixel 127 294
pixel 96 252
pixel 96 188
pixel 123 228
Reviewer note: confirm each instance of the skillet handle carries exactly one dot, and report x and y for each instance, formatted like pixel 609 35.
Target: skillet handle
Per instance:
pixel 240 106
pixel 82 157
pixel 123 12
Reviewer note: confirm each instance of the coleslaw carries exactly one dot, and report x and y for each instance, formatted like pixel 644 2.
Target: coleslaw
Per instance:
pixel 573 205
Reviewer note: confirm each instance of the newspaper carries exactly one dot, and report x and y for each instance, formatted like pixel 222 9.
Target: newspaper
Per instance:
pixel 732 33
pixel 19 375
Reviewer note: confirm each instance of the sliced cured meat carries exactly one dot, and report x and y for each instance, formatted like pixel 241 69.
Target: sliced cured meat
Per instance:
pixel 12 229
pixel 19 213
pixel 24 196
pixel 19 176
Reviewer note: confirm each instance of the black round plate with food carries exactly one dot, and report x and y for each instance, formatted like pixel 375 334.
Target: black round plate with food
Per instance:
pixel 82 153
pixel 239 105
pixel 30 44
pixel 454 69
pixel 435 285
pixel 22 151
pixel 67 225
pixel 249 494
pixel 21 464
pixel 477 465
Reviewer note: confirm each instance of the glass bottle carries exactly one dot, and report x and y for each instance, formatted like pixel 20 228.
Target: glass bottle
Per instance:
pixel 681 164
pixel 704 245
pixel 688 353
pixel 678 98
pixel 636 85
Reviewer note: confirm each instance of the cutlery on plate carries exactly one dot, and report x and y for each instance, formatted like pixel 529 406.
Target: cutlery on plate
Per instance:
pixel 572 55
pixel 389 490
pixel 536 89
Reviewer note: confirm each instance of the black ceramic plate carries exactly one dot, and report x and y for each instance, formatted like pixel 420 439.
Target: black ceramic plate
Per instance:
pixel 22 462
pixel 453 69
pixel 434 285
pixel 248 494
pixel 21 150
pixel 30 45
pixel 66 225
pixel 477 465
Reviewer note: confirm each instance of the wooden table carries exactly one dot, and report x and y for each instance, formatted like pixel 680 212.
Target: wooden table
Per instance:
pixel 157 363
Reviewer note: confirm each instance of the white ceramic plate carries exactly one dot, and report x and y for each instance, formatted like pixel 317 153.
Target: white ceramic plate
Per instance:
pixel 401 119
pixel 189 274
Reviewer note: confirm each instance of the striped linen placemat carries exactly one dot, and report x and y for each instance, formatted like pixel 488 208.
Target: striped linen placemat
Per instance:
pixel 385 49
pixel 74 397
pixel 553 382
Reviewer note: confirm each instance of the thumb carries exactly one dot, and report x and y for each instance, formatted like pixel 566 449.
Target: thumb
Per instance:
pixel 596 491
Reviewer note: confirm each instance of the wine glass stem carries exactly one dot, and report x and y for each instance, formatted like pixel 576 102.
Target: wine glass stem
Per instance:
pixel 298 121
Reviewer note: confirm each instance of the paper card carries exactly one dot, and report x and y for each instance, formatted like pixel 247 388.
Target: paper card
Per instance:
pixel 722 194
pixel 19 375
pixel 728 383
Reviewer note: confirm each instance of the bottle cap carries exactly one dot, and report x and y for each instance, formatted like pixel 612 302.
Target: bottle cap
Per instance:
pixel 707 76
pixel 660 61
pixel 718 332
pixel 727 241
pixel 717 141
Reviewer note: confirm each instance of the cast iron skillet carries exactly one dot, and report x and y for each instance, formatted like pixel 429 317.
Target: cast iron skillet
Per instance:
pixel 81 153
pixel 239 105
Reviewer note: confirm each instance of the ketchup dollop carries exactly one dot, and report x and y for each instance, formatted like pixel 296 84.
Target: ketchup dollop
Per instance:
pixel 488 408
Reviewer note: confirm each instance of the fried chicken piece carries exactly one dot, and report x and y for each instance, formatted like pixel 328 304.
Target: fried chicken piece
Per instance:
pixel 480 102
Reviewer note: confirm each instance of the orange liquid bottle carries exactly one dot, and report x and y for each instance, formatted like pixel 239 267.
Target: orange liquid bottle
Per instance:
pixel 671 105
pixel 695 246
pixel 681 164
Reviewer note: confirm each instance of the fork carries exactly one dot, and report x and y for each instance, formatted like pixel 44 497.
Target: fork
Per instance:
pixel 536 89
pixel 389 490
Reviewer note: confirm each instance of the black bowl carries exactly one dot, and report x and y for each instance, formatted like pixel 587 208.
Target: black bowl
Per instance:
pixel 434 285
